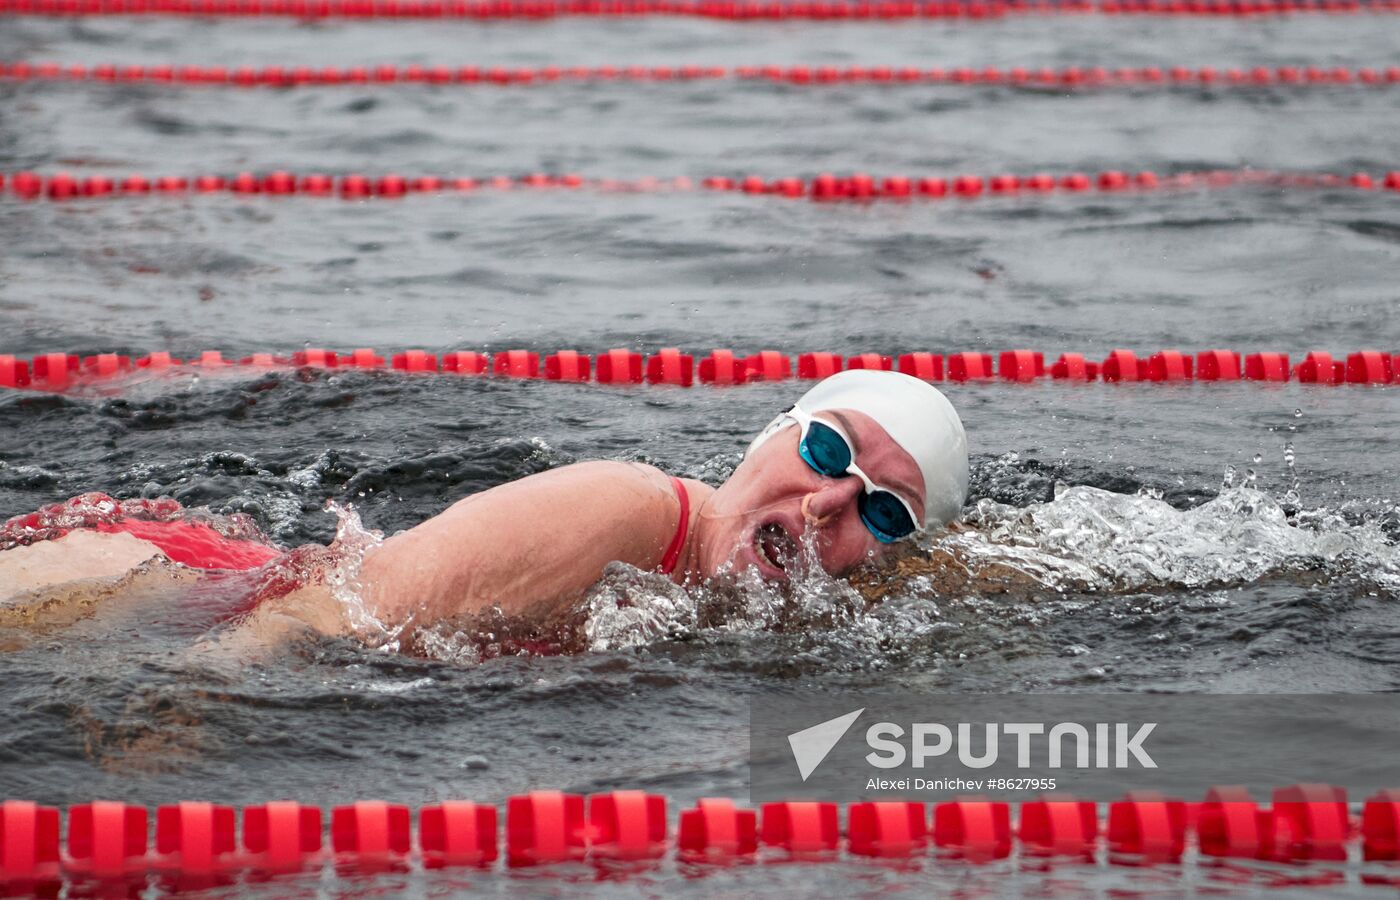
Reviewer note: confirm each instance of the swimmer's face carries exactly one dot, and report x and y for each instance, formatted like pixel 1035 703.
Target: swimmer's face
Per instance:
pixel 757 518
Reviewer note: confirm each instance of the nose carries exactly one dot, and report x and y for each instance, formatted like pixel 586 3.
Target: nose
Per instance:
pixel 825 504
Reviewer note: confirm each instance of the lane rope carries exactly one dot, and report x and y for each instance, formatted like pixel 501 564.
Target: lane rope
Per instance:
pixel 729 10
pixel 1068 77
pixel 860 187
pixel 58 372
pixel 1304 823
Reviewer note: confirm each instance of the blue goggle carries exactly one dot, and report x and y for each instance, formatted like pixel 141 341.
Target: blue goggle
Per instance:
pixel 825 448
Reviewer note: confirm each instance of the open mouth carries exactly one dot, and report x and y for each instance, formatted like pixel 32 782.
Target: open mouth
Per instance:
pixel 772 543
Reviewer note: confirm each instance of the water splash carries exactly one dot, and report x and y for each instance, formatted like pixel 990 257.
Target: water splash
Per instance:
pixel 630 607
pixel 1020 566
pixel 1091 539
pixel 352 541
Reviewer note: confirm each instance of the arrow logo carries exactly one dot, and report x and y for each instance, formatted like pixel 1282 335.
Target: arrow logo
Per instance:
pixel 811 745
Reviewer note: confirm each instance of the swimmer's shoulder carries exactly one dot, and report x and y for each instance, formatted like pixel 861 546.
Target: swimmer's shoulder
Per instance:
pixel 619 472
pixel 651 478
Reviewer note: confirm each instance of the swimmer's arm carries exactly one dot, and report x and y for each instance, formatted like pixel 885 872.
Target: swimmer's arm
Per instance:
pixel 526 547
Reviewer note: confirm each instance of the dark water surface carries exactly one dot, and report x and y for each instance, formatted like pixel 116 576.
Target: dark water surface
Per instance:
pixel 1285 580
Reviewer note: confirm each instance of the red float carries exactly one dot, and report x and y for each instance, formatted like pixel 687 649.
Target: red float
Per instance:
pixel 768 365
pixel 1380 826
pixel 1060 827
pixel 870 361
pixel 568 365
pixel 544 827
pixel 1369 367
pixel 415 361
pixel 723 367
pixel 1317 820
pixel 1318 367
pixel 279 183
pixel 619 366
pixel 465 362
pixel 1169 365
pixel 896 186
pixel 391 186
pixel 106 365
pixel 1266 367
pixel 627 825
pixel 1218 365
pixel 210 359
pixel 976 829
pixel 97 186
pixel 928 366
pixel 800 827
pixel 1230 824
pixel 53 371
pixel 354 187
pixel 670 366
pixel 887 828
pixel 457 833
pixel 1147 825
pixel 62 186
pixel 282 836
pixel 195 838
pixel 516 364
pixel 106 839
pixel 967 185
pixel 969 366
pixel 716 828
pixel 14 372
pixel 818 365
pixel 1074 367
pixel 361 358
pixel 28 842
pixel 315 358
pixel 932 187
pixel 1021 365
pixel 1123 365
pixel 371 832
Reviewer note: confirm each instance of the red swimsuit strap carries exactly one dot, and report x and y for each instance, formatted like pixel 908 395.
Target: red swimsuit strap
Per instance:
pixel 673 552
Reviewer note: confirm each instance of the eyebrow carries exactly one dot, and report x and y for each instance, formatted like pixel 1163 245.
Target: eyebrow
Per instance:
pixel 849 427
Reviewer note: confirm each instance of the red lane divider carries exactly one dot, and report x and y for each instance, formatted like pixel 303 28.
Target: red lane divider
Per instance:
pixel 110 841
pixel 1070 77
pixel 57 372
pixel 860 188
pixel 728 10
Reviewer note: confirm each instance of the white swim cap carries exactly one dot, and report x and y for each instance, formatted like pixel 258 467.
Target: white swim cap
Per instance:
pixel 915 414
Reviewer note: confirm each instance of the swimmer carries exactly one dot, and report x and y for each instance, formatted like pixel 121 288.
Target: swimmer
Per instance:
pixel 863 463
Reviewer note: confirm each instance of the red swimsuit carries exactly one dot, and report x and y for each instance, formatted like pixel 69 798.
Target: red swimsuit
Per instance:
pixel 673 552
pixel 195 544
pixel 180 536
